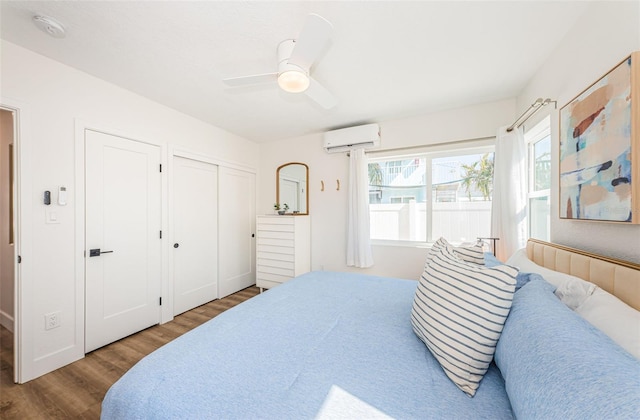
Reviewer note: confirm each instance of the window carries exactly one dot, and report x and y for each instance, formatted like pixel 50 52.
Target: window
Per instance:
pixel 539 174
pixel 419 198
pixel 397 199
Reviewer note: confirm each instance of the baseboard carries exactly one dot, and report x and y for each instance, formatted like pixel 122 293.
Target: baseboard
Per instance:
pixel 6 321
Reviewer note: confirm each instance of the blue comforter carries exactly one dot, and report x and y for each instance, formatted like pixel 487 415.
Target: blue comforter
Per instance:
pixel 321 345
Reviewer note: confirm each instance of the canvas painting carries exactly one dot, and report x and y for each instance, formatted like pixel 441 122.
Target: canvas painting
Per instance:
pixel 596 141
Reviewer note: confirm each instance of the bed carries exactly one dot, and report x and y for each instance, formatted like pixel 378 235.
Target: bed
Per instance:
pixel 340 345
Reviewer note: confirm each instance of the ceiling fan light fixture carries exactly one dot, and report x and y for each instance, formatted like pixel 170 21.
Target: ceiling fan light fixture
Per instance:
pixel 293 81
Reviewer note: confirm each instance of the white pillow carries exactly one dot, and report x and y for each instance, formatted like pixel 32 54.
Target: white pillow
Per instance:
pixel 571 290
pixel 458 311
pixel 614 318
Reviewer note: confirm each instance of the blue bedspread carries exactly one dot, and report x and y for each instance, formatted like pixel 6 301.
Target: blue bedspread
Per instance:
pixel 320 345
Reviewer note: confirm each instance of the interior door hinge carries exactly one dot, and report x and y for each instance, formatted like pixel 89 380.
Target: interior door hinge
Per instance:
pixel 160 234
pixel 19 259
pixel 160 300
pixel 161 167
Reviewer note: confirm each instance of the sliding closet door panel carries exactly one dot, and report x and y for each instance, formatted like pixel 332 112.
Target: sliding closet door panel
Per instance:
pixel 237 226
pixel 195 224
pixel 123 248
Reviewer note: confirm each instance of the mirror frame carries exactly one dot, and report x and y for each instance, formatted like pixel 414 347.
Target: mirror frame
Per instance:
pixel 306 186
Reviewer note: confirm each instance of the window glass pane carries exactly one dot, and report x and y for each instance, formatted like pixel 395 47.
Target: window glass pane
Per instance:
pixel 539 215
pixel 461 191
pixel 542 164
pixel 397 199
pixel 539 164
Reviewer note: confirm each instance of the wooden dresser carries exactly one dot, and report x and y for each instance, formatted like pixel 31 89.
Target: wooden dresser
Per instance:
pixel 283 249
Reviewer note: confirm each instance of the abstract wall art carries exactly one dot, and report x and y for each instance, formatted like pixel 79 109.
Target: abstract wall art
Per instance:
pixel 600 148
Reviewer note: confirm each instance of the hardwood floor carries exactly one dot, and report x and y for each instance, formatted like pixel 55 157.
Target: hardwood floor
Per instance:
pixel 77 390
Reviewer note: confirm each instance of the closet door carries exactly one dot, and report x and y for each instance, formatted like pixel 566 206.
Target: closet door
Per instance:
pixel 237 229
pixel 123 247
pixel 195 233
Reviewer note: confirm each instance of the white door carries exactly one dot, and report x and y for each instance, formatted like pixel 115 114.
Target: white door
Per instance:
pixel 289 194
pixel 237 229
pixel 195 233
pixel 123 245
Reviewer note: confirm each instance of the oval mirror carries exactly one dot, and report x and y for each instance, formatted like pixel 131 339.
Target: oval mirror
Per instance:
pixel 292 180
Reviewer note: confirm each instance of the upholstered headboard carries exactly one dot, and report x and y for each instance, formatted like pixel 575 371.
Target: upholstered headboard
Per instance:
pixel 620 278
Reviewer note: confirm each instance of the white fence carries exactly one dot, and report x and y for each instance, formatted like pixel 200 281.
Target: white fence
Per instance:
pixel 461 221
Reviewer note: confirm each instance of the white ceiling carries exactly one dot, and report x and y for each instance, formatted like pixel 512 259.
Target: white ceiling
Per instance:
pixel 386 59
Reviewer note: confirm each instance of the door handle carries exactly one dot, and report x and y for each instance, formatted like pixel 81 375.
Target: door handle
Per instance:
pixel 176 245
pixel 96 252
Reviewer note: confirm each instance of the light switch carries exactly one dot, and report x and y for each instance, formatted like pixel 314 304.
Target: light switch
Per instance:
pixel 62 196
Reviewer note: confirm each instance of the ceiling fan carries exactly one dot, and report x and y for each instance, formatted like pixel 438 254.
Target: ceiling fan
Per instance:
pixel 295 58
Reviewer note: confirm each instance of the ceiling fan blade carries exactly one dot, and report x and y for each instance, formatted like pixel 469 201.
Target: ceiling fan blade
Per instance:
pixel 311 41
pixel 255 79
pixel 321 95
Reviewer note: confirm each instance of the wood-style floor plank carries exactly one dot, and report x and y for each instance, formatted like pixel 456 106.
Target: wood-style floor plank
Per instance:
pixel 77 390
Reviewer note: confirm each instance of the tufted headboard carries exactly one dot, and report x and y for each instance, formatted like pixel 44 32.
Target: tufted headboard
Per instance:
pixel 620 278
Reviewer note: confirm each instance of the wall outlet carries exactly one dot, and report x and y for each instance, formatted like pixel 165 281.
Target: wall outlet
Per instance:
pixel 51 320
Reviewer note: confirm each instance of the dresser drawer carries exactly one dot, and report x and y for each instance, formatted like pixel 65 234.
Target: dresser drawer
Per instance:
pixel 288 243
pixel 282 251
pixel 267 284
pixel 264 262
pixel 275 220
pixel 271 277
pixel 275 253
pixel 272 234
pixel 285 272
pixel 264 227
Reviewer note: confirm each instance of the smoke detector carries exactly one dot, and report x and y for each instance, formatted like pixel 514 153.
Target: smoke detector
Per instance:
pixel 49 26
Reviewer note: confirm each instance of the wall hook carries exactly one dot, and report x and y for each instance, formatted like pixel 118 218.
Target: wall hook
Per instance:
pixel 338 185
pixel 321 185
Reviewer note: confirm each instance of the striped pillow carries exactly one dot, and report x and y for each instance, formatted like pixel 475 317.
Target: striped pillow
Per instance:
pixel 458 311
pixel 473 254
pixel 438 245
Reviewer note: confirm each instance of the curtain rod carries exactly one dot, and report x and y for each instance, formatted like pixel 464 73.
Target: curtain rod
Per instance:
pixel 398 149
pixel 535 107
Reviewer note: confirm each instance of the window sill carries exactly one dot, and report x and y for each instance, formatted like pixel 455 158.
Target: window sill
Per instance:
pixel 404 244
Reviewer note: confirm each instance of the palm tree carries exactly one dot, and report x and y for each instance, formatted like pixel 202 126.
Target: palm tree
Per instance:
pixel 469 177
pixel 484 180
pixel 479 177
pixel 375 174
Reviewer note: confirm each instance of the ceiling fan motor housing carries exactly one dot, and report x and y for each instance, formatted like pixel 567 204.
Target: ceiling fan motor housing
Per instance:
pixel 285 48
pixel 291 77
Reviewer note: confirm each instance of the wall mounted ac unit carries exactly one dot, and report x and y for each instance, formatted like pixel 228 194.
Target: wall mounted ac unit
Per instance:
pixel 345 139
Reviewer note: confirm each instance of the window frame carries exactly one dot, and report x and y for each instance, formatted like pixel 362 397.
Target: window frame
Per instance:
pixel 479 146
pixel 537 133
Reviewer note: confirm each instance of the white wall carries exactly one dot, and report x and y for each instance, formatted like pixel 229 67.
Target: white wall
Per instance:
pixel 328 209
pixel 57 96
pixel 604 36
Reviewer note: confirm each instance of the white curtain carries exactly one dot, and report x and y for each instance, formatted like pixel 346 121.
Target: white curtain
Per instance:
pixel 358 237
pixel 509 205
